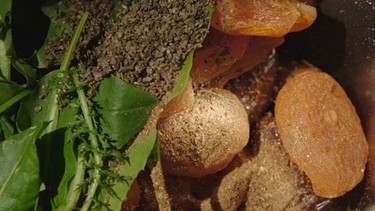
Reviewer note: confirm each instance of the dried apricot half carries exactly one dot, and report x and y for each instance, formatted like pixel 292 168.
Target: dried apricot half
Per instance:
pixel 218 53
pixel 322 132
pixel 262 18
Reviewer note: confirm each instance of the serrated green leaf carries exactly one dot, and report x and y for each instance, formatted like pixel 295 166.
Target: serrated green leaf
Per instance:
pixel 19 173
pixel 138 154
pixel 124 109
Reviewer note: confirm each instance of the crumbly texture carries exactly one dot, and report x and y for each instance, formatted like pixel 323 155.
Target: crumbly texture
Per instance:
pixel 261 177
pixel 277 183
pixel 68 13
pixel 148 44
pixel 145 43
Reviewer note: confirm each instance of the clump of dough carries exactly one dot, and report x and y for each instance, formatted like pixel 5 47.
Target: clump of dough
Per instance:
pixel 204 138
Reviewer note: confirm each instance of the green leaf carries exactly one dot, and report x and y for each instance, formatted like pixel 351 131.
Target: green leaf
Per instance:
pixel 6 129
pixel 26 70
pixel 57 154
pixel 186 67
pixel 8 90
pixel 124 109
pixel 40 106
pixel 7 104
pixel 57 27
pixel 5 7
pixel 49 8
pixel 138 154
pixel 6 47
pixel 19 173
pixel 41 57
pixel 183 77
pixel 58 166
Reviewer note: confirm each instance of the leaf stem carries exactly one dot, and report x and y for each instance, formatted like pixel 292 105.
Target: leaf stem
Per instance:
pixel 86 113
pixel 14 99
pixel 75 190
pixel 69 54
pixel 94 144
pixel 75 187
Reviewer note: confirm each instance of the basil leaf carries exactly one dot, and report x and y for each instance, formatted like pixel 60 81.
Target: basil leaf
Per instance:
pixel 19 173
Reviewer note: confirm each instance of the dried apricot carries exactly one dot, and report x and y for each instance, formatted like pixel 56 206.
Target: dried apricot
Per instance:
pixel 262 18
pixel 218 53
pixel 322 132
pixel 258 50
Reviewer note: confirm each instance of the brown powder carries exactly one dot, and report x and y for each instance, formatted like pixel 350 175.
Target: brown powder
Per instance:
pixel 145 43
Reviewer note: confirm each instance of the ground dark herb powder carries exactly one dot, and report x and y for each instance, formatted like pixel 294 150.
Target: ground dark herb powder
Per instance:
pixel 145 43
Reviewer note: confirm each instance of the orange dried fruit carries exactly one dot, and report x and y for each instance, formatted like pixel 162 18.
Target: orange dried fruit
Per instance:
pixel 322 132
pixel 262 17
pixel 219 51
pixel 259 50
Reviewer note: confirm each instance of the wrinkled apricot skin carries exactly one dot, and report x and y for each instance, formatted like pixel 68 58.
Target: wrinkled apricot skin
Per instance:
pixel 258 50
pixel 321 132
pixel 224 57
pixel 219 51
pixel 262 17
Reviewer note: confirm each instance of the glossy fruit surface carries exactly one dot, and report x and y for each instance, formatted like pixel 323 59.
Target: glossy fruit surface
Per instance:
pixel 219 52
pixel 322 133
pixel 273 18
